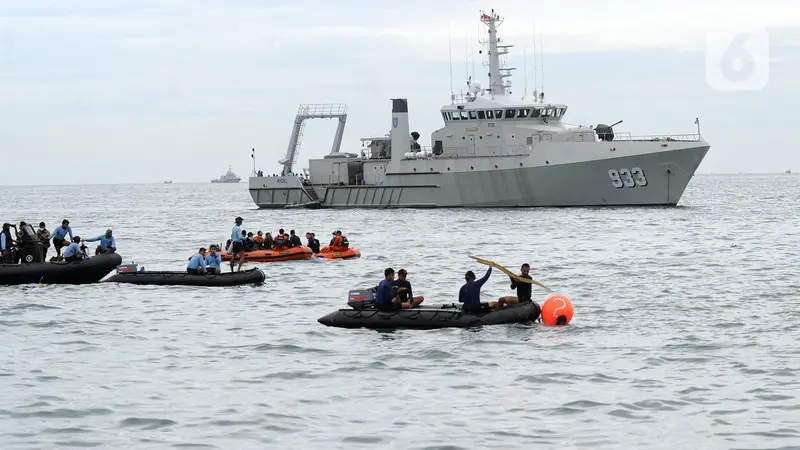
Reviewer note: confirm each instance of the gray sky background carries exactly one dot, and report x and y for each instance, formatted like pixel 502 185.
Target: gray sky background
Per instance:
pixel 113 91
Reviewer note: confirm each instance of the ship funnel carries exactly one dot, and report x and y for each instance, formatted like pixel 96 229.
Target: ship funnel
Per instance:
pixel 400 129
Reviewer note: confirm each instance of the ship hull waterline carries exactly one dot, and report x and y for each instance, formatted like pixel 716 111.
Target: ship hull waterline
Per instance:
pixel 578 184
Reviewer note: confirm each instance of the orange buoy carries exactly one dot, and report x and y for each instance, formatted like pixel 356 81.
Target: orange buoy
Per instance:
pixel 557 310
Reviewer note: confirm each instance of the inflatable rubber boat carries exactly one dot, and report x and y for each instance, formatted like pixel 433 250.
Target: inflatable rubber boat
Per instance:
pixel 290 254
pixel 124 275
pixel 85 271
pixel 363 314
pixel 350 253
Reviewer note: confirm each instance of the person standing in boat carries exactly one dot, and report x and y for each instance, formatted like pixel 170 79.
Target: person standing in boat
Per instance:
pixel 44 238
pixel 197 263
pixel 523 289
pixel 6 242
pixel 294 240
pixel 470 293
pixel 59 236
pixel 107 243
pixel 213 260
pixel 404 290
pixel 237 244
pixel 313 243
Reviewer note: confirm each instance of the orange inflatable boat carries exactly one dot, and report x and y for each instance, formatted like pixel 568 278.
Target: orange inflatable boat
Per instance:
pixel 290 254
pixel 350 253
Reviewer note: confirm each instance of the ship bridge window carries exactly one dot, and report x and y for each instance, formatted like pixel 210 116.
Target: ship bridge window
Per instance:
pixel 444 116
pixel 489 114
pixel 559 112
pixel 472 115
pixel 498 113
pixel 510 113
pixel 464 115
pixel 536 112
pixel 481 115
pixel 453 116
pixel 523 113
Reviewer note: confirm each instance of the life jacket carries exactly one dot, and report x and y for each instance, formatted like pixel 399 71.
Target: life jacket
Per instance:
pixel 280 241
pixel 343 242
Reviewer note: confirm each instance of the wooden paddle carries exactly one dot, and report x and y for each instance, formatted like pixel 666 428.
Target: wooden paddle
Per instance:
pixel 509 273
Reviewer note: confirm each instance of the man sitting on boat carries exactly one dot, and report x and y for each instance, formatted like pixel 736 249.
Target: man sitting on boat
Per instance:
pixel 267 243
pixel 470 293
pixel 213 260
pixel 339 243
pixel 197 263
pixel 386 298
pixel 294 240
pixel 107 243
pixel 249 242
pixel 259 239
pixel 280 242
pixel 523 289
pixel 404 290
pixel 74 252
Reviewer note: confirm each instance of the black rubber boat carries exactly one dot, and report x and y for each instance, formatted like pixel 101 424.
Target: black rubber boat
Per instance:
pixel 252 276
pixel 84 271
pixel 364 315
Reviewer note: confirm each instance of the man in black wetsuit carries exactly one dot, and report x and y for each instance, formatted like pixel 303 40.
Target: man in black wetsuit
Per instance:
pixel 404 290
pixel 313 242
pixel 523 289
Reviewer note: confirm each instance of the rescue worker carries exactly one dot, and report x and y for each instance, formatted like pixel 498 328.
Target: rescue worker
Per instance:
pixel 237 244
pixel 107 243
pixel 74 252
pixel 523 289
pixel 59 235
pixel 259 240
pixel 6 244
pixel 470 293
pixel 213 260
pixel 313 243
pixel 339 243
pixel 44 238
pixel 294 240
pixel 197 263
pixel 280 241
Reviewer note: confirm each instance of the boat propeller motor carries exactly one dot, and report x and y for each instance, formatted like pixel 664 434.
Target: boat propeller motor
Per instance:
pixel 605 132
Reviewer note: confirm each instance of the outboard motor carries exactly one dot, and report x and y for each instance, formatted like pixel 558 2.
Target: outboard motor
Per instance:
pixel 605 132
pixel 127 268
pixel 30 247
pixel 361 299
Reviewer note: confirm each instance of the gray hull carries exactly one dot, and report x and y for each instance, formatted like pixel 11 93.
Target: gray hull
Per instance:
pixel 507 182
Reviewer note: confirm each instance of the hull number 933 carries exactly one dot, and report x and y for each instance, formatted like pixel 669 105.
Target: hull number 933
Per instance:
pixel 627 177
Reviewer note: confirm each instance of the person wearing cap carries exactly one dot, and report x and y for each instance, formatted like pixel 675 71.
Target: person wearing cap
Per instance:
pixel 339 243
pixel 44 238
pixel 197 263
pixel 59 235
pixel 213 260
pixel 73 252
pixel 237 244
pixel 404 290
pixel 6 242
pixel 107 243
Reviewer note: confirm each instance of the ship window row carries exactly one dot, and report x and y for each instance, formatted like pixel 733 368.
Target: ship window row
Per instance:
pixel 501 114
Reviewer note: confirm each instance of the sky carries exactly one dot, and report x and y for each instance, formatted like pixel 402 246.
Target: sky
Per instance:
pixel 116 91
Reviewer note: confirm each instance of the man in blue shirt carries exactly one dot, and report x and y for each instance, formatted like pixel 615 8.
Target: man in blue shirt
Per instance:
pixel 213 260
pixel 107 243
pixel 197 263
pixel 73 251
pixel 385 297
pixel 237 244
pixel 470 293
pixel 59 235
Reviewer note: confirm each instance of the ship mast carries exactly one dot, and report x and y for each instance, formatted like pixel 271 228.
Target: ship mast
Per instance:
pixel 496 73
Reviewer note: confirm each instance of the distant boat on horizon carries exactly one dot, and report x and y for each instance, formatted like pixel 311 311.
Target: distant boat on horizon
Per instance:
pixel 228 177
pixel 788 170
pixel 168 182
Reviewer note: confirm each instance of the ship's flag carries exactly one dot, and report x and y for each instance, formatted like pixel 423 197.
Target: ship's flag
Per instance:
pixel 485 17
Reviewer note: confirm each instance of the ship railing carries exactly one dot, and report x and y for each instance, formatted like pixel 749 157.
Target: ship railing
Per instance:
pixel 462 99
pixel 658 137
pixel 322 109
